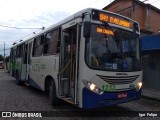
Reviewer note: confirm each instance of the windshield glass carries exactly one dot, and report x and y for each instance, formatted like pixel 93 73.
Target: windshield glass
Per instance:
pixel 112 49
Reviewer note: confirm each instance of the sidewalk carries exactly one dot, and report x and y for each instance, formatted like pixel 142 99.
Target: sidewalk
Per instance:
pixel 151 94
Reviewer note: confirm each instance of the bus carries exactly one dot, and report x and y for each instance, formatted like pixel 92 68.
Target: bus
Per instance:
pixel 90 59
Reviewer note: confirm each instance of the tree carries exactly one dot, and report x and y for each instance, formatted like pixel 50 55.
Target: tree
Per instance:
pixel 1 58
pixel 7 59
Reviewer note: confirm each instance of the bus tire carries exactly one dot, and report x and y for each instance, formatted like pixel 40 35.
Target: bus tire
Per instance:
pixel 52 94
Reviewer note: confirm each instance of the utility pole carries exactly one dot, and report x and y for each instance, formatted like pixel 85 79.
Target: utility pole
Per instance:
pixel 4 52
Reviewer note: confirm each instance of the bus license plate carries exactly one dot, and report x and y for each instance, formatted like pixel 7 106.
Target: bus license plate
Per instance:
pixel 122 95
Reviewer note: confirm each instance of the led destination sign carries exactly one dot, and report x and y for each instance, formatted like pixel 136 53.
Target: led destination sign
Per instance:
pixel 104 31
pixel 111 18
pixel 114 20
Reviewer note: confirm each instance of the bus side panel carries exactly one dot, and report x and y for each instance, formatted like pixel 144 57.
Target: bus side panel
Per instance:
pixel 23 72
pixel 18 65
pixel 41 67
pixel 35 78
pixel 49 67
pixel 32 82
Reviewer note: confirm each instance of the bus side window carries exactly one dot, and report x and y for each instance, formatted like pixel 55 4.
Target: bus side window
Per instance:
pixel 51 42
pixel 19 50
pixel 38 46
pixel 25 53
pixel 34 44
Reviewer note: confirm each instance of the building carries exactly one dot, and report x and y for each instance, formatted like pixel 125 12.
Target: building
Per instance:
pixel 146 15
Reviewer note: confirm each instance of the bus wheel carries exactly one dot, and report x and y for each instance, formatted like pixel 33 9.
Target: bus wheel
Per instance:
pixel 52 94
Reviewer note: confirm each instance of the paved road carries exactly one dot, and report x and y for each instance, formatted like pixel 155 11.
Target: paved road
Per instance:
pixel 24 98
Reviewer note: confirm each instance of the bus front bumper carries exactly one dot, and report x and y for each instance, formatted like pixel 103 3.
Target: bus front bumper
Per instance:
pixel 93 100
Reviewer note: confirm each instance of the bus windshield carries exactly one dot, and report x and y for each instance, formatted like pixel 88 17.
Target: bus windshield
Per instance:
pixel 112 49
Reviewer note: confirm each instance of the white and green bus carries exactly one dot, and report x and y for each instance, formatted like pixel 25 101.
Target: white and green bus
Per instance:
pixel 90 59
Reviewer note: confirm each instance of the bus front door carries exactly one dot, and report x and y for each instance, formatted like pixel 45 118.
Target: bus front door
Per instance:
pixel 69 63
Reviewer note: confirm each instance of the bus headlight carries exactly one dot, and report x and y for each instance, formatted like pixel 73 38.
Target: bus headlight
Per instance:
pixel 139 86
pixel 92 87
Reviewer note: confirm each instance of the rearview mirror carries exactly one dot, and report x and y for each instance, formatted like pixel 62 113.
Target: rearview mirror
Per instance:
pixel 135 27
pixel 87 29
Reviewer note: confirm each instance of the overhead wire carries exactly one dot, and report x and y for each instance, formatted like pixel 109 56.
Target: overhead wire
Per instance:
pixel 27 35
pixel 16 27
pixel 5 49
pixel 13 27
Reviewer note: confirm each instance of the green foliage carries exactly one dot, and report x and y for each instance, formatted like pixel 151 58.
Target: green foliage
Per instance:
pixel 1 57
pixel 7 59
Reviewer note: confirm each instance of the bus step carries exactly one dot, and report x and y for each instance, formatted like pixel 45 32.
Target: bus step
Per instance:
pixel 69 100
pixel 27 84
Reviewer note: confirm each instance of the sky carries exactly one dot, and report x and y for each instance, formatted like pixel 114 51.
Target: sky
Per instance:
pixel 35 14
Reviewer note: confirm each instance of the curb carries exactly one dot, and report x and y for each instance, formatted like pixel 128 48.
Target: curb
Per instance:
pixel 151 98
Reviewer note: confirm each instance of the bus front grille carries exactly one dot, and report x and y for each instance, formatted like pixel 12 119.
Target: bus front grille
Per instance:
pixel 119 79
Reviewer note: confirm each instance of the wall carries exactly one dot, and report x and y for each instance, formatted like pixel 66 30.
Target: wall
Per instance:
pixel 154 20
pixel 119 7
pixel 139 15
pixel 151 70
